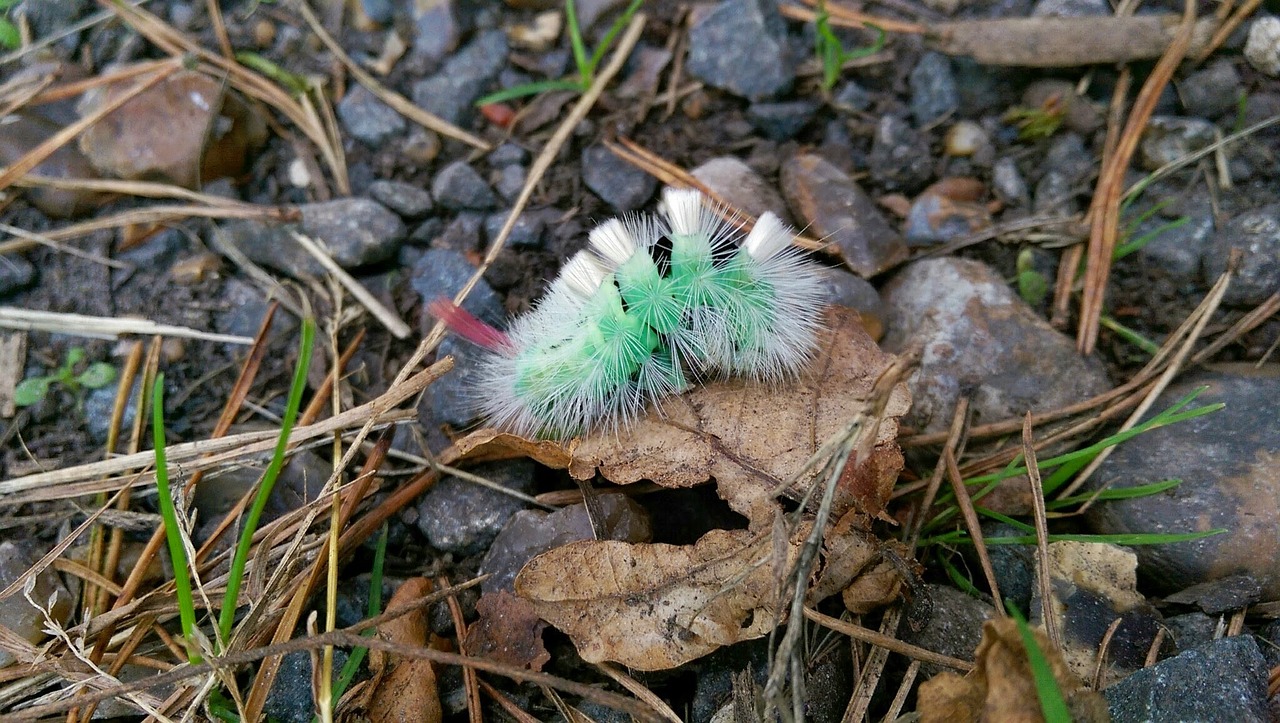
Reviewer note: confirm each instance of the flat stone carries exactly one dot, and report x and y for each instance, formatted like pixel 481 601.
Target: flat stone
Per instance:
pixel 952 624
pixel 741 47
pixel 978 336
pixel 1235 592
pixel 355 231
pixel 1224 681
pixel 406 199
pixel 533 532
pixel 1213 91
pixel 933 89
pixel 367 118
pixel 741 187
pixel 463 517
pixel 834 207
pixel 616 182
pixel 528 231
pixel 1257 235
pixel 443 272
pixel 1230 481
pixel 782 120
pixel 436 30
pixel 16 613
pixel 1167 139
pixel 901 158
pixel 458 186
pixel 452 92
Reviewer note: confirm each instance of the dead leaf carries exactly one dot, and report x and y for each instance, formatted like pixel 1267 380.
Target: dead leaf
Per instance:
pixel 853 565
pixel 406 688
pixel 1000 687
pixel 753 437
pixel 654 606
pixel 508 631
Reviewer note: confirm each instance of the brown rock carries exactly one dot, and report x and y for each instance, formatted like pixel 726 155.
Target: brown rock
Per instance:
pixel 208 131
pixel 833 207
pixel 20 133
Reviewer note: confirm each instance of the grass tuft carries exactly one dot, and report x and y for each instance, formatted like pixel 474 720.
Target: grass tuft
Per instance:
pixel 172 531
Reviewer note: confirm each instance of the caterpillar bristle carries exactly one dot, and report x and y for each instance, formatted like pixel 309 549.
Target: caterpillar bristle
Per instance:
pixel 618 330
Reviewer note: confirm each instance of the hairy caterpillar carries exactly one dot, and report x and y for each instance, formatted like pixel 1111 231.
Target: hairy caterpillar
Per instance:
pixel 652 302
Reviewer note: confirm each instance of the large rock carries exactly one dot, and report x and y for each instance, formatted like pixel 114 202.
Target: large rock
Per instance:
pixel 1229 464
pixel 977 336
pixel 1225 681
pixel 741 46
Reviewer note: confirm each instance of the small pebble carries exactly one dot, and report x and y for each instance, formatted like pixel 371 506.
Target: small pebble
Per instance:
pixel 616 182
pixel 405 199
pixel 458 186
pixel 1262 48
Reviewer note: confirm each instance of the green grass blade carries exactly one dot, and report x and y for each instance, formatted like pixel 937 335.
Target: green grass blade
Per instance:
pixel 1130 247
pixel 352 666
pixel 1129 335
pixel 520 91
pixel 612 33
pixel 172 532
pixel 241 558
pixel 1114 493
pixel 580 57
pixel 1052 705
pixel 959 578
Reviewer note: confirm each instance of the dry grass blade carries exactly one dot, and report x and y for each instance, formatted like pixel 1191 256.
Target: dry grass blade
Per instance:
pixel 954 443
pixel 869 680
pixel 1042 533
pixel 58 484
pixel 398 102
pixel 63 91
pixel 965 503
pixel 41 240
pixel 904 689
pixel 102 327
pixel 844 17
pixel 1105 210
pixel 888 642
pixel 1244 325
pixel 379 311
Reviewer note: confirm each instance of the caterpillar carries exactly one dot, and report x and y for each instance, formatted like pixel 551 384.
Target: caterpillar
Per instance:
pixel 651 304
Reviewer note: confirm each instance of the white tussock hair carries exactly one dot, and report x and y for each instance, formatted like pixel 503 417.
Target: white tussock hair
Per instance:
pixel 689 213
pixel 617 240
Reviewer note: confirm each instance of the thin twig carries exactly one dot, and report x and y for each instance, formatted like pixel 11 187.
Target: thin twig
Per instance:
pixel 965 503
pixel 1042 535
pixel 872 637
pixel 379 311
pixel 103 327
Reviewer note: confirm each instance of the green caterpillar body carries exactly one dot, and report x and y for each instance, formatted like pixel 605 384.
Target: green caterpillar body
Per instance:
pixel 620 329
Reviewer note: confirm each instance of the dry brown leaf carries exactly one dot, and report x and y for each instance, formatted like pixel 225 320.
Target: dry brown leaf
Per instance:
pixel 654 606
pixel 508 631
pixel 406 689
pixel 1000 687
pixel 754 437
pixel 852 564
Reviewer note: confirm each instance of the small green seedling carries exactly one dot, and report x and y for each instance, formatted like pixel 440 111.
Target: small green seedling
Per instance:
pixel 1032 285
pixel 586 62
pixel 1039 122
pixel 831 52
pixel 10 38
pixel 95 376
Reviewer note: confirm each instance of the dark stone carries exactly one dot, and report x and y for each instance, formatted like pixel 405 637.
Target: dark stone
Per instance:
pixel 1257 235
pixel 532 532
pixel 458 186
pixel 1225 461
pixel 463 517
pixel 436 31
pixel 443 272
pixel 1219 596
pixel 452 93
pixel 511 180
pixel 291 699
pixel 933 89
pixel 528 231
pixel 1213 91
pixel 616 182
pixel 1191 630
pixel 405 199
pixel 367 118
pixel 507 154
pixel 1225 681
pixel 355 232
pixel 783 120
pixel 953 624
pixel 900 158
pixel 1178 251
pixel 741 46
pixel 852 97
